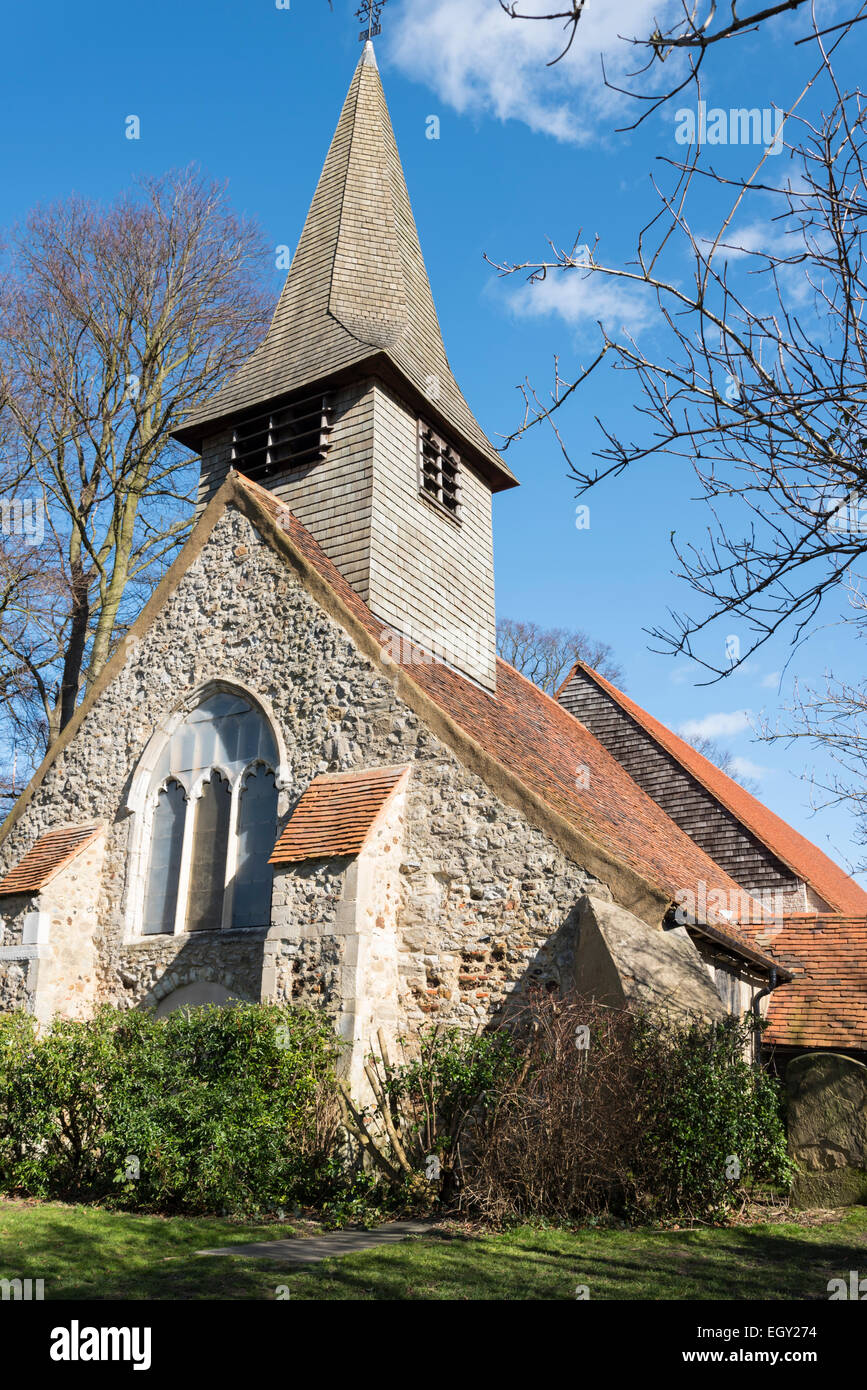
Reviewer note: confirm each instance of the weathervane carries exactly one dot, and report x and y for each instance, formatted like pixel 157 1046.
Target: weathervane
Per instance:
pixel 369 14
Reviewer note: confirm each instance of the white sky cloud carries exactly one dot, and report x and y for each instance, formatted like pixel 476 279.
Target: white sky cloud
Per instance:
pixel 581 299
pixel 745 767
pixel 477 59
pixel 768 237
pixel 679 675
pixel 717 725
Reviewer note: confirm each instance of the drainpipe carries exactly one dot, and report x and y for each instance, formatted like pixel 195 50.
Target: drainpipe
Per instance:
pixel 768 989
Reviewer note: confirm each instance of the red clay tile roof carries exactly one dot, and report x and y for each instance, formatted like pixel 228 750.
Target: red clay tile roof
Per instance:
pixel 51 853
pixel 804 858
pixel 546 748
pixel 826 1003
pixel 336 814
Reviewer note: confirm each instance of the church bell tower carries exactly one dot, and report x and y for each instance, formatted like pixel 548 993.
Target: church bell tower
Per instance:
pixel 348 410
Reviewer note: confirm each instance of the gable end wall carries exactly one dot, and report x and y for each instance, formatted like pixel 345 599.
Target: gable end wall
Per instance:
pixel 487 901
pixel 719 833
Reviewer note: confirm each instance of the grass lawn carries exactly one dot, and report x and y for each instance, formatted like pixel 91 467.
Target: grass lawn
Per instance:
pixel 85 1252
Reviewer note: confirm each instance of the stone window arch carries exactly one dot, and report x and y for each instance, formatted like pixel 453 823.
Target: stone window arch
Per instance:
pixel 204 799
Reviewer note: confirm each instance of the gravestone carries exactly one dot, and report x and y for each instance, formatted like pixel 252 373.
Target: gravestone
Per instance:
pixel 828 1129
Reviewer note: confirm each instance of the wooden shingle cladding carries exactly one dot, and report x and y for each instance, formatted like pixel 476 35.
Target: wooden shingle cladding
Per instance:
pixel 357 295
pixel 430 578
pixel 689 804
pixel 722 832
pixel 336 814
pixel 51 853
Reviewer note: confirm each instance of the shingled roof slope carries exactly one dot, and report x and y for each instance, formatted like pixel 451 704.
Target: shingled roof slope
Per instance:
pixel 357 287
pixel 804 858
pixel 45 859
pixel 336 813
pixel 825 1005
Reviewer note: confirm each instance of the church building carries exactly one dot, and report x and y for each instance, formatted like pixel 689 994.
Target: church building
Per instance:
pixel 306 777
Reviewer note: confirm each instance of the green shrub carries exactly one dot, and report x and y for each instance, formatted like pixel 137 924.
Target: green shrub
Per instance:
pixel 437 1091
pixel 711 1121
pixel 426 1106
pixel 208 1110
pixel 575 1113
pixel 580 1112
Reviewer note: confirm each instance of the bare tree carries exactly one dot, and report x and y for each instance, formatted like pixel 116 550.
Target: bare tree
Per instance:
pixel 724 759
pixel 696 29
pixel 829 715
pixel 756 373
pixel 113 324
pixel 545 655
pixel 761 383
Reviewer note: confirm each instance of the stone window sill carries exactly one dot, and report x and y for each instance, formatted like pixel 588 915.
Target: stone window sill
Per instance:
pixel 223 933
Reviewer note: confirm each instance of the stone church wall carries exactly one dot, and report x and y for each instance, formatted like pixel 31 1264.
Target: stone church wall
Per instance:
pixel 486 900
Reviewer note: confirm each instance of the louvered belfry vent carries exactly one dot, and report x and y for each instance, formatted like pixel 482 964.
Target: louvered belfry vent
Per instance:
pixel 291 434
pixel 439 470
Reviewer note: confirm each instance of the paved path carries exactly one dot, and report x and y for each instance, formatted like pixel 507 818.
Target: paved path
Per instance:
pixel 300 1251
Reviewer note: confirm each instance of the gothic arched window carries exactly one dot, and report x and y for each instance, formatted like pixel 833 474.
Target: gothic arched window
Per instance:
pixel 211 820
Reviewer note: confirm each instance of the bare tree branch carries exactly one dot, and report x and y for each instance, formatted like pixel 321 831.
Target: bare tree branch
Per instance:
pixel 114 323
pixel 545 655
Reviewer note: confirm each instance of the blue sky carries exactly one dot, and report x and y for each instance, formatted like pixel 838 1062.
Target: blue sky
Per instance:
pixel 252 92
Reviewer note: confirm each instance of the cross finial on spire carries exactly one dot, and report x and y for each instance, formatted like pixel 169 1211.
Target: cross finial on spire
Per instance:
pixel 369 14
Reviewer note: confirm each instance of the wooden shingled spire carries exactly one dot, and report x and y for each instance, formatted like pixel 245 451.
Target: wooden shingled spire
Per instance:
pixel 357 296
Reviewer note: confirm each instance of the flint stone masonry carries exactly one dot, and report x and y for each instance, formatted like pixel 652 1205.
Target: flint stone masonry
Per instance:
pixel 152 967
pixel 828 1129
pixel 19 931
pixel 18 967
pixel 481 901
